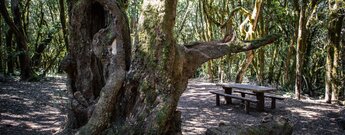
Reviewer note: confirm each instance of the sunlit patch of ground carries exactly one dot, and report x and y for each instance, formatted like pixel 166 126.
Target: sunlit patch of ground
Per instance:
pixel 199 112
pixel 32 108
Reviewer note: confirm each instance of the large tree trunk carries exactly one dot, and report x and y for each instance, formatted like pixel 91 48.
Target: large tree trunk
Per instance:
pixel 109 92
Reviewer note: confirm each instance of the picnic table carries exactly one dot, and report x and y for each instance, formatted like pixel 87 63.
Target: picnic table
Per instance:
pixel 258 91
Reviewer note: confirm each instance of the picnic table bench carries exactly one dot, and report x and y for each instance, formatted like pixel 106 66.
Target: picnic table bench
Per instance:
pixel 273 97
pixel 258 91
pixel 246 100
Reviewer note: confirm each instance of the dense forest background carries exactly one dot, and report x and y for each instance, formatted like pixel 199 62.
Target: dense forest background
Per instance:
pixel 308 59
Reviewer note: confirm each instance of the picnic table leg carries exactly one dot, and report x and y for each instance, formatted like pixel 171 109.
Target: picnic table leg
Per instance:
pixel 217 100
pixel 228 91
pixel 261 101
pixel 246 106
pixel 273 103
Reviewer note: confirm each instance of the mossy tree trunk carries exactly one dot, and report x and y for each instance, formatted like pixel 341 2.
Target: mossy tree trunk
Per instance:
pixel 307 10
pixel 110 92
pixel 335 23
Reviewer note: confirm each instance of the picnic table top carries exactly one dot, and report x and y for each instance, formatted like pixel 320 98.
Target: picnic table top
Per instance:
pixel 253 88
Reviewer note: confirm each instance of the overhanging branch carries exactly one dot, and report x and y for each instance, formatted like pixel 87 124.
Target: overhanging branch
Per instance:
pixel 200 52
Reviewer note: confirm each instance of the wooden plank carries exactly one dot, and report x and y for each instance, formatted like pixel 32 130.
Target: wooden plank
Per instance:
pixel 266 95
pixel 253 88
pixel 228 91
pixel 246 104
pixel 274 96
pixel 244 92
pixel 273 103
pixel 233 96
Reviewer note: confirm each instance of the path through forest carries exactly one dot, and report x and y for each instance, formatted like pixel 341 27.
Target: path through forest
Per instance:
pixel 32 108
pixel 37 108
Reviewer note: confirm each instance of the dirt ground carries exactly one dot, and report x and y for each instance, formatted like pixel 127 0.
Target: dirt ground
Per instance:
pixel 36 108
pixel 309 117
pixel 32 108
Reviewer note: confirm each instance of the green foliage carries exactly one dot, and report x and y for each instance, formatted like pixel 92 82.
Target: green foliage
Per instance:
pixel 41 21
pixel 276 17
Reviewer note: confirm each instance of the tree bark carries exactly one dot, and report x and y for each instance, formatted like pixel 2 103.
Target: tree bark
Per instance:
pixel 63 22
pixel 9 49
pixel 303 33
pixel 111 93
pixel 333 48
pixel 2 67
pixel 300 49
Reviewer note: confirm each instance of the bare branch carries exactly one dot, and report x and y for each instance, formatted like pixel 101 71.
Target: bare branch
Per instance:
pixel 200 52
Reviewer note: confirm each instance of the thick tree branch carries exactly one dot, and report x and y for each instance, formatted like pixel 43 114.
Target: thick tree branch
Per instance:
pixel 200 52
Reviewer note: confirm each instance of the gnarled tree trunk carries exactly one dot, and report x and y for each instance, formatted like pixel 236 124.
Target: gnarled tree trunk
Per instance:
pixel 112 93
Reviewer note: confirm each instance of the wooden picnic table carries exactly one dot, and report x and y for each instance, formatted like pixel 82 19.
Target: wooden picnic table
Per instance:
pixel 257 90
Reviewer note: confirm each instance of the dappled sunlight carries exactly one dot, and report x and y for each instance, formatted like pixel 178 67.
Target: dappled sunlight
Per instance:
pixel 304 113
pixel 309 114
pixel 199 112
pixel 32 107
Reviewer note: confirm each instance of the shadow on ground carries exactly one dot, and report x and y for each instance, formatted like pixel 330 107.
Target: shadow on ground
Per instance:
pixel 199 112
pixel 32 108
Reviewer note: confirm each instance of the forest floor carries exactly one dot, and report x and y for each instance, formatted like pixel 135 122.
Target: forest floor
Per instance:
pixel 32 108
pixel 37 108
pixel 308 117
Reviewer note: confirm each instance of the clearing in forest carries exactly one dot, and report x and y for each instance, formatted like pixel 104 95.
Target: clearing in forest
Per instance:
pixel 37 108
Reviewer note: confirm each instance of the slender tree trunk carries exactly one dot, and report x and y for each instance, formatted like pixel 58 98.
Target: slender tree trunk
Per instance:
pixel 2 67
pixel 291 50
pixel 342 81
pixel 261 51
pixel 26 15
pixel 10 63
pixel 63 22
pixel 113 94
pixel 272 65
pixel 261 59
pixel 300 50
